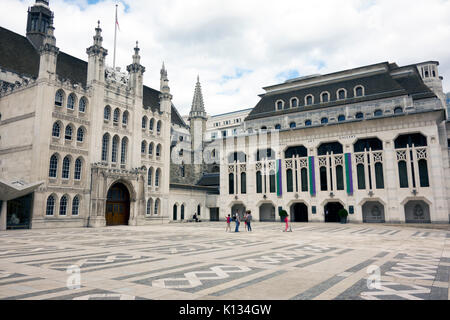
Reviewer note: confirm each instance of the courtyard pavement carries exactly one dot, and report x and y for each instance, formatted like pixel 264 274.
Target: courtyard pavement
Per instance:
pixel 201 261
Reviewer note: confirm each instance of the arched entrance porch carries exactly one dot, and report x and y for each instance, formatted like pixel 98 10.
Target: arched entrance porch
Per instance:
pixel 267 212
pixel 299 212
pixel 238 208
pixel 117 205
pixel 331 212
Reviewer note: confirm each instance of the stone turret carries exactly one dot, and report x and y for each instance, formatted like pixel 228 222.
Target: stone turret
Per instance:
pixel 49 55
pixel 40 17
pixel 96 58
pixel 197 119
pixel 136 71
pixel 165 96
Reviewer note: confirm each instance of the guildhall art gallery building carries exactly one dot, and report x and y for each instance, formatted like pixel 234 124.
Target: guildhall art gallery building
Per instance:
pixel 86 145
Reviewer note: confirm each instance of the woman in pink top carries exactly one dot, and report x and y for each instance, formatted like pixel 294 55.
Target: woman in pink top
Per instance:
pixel 287 224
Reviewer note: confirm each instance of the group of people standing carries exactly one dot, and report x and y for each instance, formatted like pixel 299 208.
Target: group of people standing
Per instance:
pixel 237 219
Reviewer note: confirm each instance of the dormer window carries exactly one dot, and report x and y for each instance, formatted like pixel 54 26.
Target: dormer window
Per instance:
pixel 378 113
pixel 324 121
pixel 359 115
pixel 309 100
pixel 359 91
pixel 279 105
pixel 292 125
pixel 308 123
pixel 325 97
pixel 278 127
pixel 294 103
pixel 342 94
pixel 341 118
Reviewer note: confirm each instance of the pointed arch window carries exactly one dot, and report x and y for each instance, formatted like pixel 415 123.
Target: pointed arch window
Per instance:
pixel 125 118
pixel 53 166
pixel 158 150
pixel 124 151
pixel 144 122
pixel 59 98
pixel 150 177
pixel 76 206
pixel 82 105
pixel 107 113
pixel 63 206
pixel 156 212
pixel 78 168
pixel 116 115
pixel 56 131
pixel 66 168
pixel 71 102
pixel 50 208
pixel 157 177
pixel 149 206
pixel 158 127
pixel 105 147
pixel 69 132
pixel 152 124
pixel 80 135
pixel 144 147
pixel 114 150
pixel 151 146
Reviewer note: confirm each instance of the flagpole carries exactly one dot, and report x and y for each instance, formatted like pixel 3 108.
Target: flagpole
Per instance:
pixel 115 40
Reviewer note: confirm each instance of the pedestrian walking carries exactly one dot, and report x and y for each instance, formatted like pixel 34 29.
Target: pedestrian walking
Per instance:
pixel 228 224
pixel 288 227
pixel 245 221
pixel 238 222
pixel 249 220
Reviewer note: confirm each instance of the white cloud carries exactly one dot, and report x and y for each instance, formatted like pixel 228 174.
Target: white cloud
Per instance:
pixel 218 39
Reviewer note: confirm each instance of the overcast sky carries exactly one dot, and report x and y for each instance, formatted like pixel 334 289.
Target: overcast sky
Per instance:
pixel 239 46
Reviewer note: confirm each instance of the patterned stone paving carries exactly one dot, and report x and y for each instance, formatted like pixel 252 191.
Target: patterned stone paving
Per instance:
pixel 201 261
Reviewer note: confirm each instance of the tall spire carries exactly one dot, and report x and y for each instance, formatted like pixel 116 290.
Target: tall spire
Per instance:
pixel 198 106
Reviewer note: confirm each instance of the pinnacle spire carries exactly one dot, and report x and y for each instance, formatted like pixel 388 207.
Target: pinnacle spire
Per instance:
pixel 198 106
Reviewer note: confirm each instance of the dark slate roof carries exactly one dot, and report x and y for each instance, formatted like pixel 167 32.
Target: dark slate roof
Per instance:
pixel 18 55
pixel 208 190
pixel 210 180
pixel 377 86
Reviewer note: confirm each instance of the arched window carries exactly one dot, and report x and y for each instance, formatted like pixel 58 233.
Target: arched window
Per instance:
pixel 308 123
pixel 361 177
pixel 359 115
pixel 324 121
pixel 299 151
pixel 398 110
pixel 116 115
pixel 78 167
pixel 123 152
pixel 323 179
pixel 231 183
pixel 423 174
pixel 325 97
pixel 71 102
pixel 53 166
pixel 378 113
pixel 107 113
pixel 243 183
pixel 272 182
pixel 59 98
pixel 292 125
pixel 309 100
pixel 63 206
pixel 66 168
pixel 304 177
pixel 278 127
pixel 259 182
pixel 114 150
pixel 359 91
pixel 76 206
pixel 342 94
pixel 50 208
pixel 294 103
pixel 157 177
pixel 69 132
pixel 279 105
pixel 341 118
pixel 156 212
pixel 403 174
pixel 158 150
pixel 56 131
pixel 289 180
pixel 105 147
pixel 158 127
pixel 149 206
pixel 125 118
pixel 263 128
pixel 150 177
pixel 340 177
pixel 144 122
pixel 151 146
pixel 152 124
pixel 82 105
pixel 144 147
pixel 80 135
pixel 182 212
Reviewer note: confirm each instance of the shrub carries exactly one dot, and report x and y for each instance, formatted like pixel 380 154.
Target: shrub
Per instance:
pixel 343 213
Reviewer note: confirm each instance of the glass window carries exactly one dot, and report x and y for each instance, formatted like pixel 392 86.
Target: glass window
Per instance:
pixel 243 183
pixel 378 113
pixel 116 115
pixel 359 91
pixel 325 97
pixel 56 130
pixel 59 98
pixel 341 94
pixel 144 147
pixel 398 110
pixel 272 181
pixel 359 115
pixel 75 206
pixel 403 174
pixel 340 178
pixel 69 132
pixel 308 123
pixel 258 182
pixel 304 177
pixel 66 168
pixel 144 122
pixel 115 146
pixel 231 183
pixel 423 173
pixel 150 177
pixel 63 206
pixel 157 177
pixel 341 118
pixel 105 146
pixel 50 209
pixel 279 105
pixel 80 135
pixel 290 180
pixel 294 103
pixel 78 167
pixel 292 125
pixel 82 105
pixel 361 177
pixel 123 153
pixel 379 177
pixel 71 102
pixel 278 127
pixel 53 166
pixel 323 179
pixel 152 124
pixel 107 113
pixel 324 121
